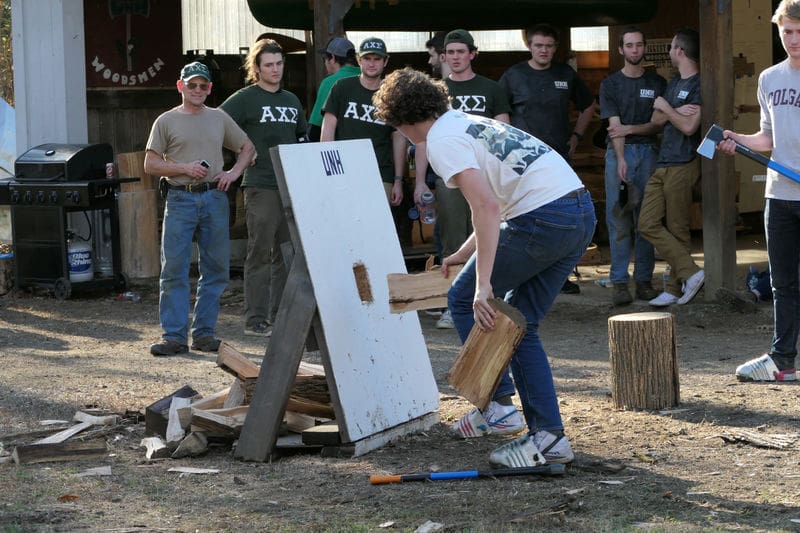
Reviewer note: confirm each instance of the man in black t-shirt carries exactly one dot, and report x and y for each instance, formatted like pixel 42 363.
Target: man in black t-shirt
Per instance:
pixel 626 101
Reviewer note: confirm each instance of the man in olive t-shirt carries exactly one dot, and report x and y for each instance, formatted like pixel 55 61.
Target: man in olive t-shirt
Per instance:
pixel 270 116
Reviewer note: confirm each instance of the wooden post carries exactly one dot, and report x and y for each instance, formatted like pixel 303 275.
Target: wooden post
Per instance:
pixel 485 355
pixel 644 361
pixel 138 219
pixel 719 179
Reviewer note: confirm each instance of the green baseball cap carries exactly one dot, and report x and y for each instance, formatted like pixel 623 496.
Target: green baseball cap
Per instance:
pixel 195 69
pixel 372 45
pixel 459 36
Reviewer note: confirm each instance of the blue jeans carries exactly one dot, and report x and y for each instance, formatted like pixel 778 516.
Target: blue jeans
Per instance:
pixel 782 224
pixel 623 230
pixel 205 213
pixel 535 254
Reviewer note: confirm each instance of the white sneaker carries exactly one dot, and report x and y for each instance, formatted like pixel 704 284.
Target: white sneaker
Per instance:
pixel 664 299
pixel 764 369
pixel 497 419
pixel 446 321
pixel 555 449
pixel 691 286
pixel 518 453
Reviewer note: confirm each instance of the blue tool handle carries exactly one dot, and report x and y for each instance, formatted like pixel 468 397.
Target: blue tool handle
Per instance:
pixel 769 163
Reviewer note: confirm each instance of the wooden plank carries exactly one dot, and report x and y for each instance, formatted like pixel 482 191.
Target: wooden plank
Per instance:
pixel 62 451
pixel 485 355
pixel 214 401
pixel 61 436
pixel 280 365
pixel 719 181
pixel 377 440
pixel 217 424
pixel 107 420
pixel 235 363
pixel 425 290
pixel 324 435
pixel 310 407
pixel 193 445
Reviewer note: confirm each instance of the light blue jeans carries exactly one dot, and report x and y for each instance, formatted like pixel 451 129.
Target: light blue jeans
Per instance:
pixel 535 254
pixel 185 214
pixel 623 231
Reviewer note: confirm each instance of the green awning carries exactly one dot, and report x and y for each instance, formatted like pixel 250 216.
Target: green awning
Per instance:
pixel 433 15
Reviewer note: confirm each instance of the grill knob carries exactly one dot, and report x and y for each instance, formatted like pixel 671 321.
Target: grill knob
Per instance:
pixel 53 197
pixel 14 197
pixel 76 197
pixel 40 197
pixel 28 198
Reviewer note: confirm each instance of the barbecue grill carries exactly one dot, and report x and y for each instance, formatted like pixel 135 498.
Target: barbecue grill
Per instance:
pixel 59 193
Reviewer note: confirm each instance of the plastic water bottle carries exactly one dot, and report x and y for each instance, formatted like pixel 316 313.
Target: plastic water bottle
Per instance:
pixel 665 276
pixel 427 208
pixel 129 296
pixel 603 282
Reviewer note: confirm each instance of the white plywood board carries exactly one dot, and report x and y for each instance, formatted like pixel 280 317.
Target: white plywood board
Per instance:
pixel 379 360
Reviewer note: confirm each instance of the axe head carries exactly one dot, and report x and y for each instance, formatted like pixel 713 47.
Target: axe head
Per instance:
pixel 708 146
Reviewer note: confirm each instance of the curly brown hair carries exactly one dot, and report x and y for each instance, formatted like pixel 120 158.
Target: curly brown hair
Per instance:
pixel 408 96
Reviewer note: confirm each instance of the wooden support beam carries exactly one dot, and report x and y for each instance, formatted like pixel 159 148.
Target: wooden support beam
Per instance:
pixel 718 176
pixel 485 355
pixel 425 290
pixel 280 365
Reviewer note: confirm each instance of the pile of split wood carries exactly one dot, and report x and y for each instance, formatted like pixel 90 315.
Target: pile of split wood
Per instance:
pixel 184 423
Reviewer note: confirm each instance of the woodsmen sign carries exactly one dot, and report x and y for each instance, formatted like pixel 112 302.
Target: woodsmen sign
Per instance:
pixel 132 43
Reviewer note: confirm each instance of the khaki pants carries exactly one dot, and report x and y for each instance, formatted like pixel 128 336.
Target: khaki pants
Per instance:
pixel 665 217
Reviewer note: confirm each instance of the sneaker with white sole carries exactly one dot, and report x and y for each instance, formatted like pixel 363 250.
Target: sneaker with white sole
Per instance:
pixel 691 286
pixel 497 419
pixel 445 321
pixel 664 299
pixel 556 449
pixel 518 453
pixel 764 369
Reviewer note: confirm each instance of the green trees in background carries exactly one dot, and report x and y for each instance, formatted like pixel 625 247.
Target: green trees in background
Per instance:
pixel 6 59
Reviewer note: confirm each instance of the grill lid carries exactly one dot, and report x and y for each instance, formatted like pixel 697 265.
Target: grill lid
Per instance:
pixel 63 162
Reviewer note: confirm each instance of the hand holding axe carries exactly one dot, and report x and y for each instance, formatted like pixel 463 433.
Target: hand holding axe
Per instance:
pixel 714 136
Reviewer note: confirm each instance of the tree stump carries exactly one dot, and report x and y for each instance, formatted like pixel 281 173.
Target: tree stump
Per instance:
pixel 644 361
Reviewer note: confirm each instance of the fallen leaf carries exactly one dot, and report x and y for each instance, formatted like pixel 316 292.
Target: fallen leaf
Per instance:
pixel 68 498
pixel 386 524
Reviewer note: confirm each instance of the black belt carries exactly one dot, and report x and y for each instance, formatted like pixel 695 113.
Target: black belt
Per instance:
pixel 194 187
pixel 577 193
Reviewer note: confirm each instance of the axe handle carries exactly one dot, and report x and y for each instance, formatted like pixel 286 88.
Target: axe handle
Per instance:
pixel 769 163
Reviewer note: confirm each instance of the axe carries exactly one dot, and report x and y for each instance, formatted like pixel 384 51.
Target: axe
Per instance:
pixel 714 136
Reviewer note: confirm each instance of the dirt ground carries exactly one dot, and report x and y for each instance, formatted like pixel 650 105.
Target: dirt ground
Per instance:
pixel 681 469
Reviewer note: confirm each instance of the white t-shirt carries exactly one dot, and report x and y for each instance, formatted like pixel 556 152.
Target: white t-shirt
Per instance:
pixel 779 98
pixel 523 172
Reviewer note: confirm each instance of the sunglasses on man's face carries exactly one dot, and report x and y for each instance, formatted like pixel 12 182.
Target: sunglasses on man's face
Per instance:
pixel 193 85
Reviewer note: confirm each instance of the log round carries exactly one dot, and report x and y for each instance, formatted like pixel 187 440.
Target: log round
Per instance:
pixel 644 361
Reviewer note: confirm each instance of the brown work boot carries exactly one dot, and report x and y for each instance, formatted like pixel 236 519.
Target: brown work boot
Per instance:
pixel 622 296
pixel 645 290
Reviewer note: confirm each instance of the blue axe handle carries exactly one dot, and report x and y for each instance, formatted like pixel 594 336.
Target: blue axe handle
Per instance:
pixel 769 163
